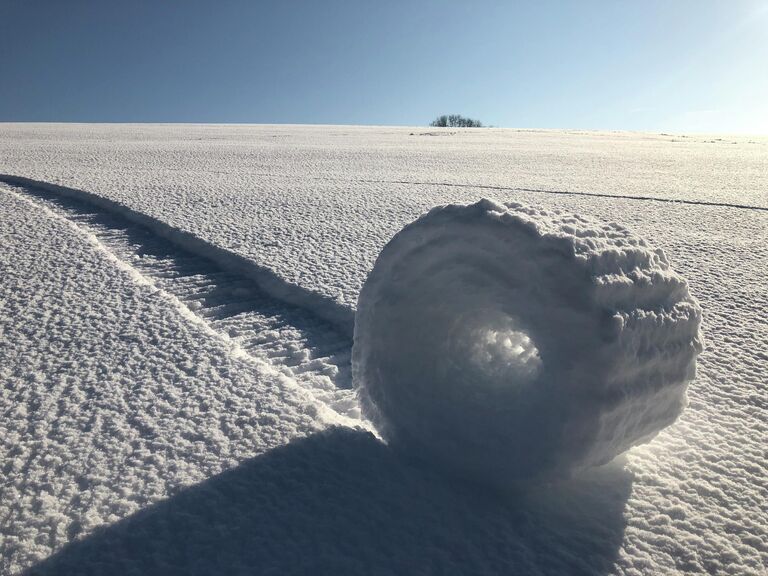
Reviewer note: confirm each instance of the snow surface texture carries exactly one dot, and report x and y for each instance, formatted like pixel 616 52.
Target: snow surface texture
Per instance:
pixel 512 342
pixel 151 443
pixel 114 396
pixel 315 206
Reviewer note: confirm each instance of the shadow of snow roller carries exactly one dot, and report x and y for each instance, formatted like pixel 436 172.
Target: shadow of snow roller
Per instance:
pixel 509 343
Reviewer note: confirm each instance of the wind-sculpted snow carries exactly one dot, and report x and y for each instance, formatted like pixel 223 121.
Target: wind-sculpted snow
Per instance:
pixel 511 342
pixel 137 440
pixel 314 206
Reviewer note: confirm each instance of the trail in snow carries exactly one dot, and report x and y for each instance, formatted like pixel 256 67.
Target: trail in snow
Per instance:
pixel 269 282
pixel 113 395
pixel 292 339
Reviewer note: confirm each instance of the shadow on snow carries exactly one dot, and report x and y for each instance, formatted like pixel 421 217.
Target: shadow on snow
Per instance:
pixel 341 502
pixel 337 502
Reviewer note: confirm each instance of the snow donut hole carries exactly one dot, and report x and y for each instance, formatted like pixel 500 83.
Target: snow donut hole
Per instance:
pixel 509 343
pixel 496 351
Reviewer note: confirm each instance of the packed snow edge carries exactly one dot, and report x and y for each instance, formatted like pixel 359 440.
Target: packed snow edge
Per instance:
pixel 324 307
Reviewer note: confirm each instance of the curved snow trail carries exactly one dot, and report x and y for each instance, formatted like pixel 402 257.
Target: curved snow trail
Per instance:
pixel 293 340
pixel 112 396
pixel 343 317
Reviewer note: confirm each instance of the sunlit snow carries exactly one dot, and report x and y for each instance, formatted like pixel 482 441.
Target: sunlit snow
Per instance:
pixel 177 317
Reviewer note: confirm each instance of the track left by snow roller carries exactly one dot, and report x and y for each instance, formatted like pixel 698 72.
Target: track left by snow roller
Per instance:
pixel 295 341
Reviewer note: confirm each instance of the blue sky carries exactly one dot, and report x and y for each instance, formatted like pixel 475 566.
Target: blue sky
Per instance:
pixel 643 65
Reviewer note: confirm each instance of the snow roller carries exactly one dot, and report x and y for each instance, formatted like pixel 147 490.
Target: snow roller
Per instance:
pixel 509 343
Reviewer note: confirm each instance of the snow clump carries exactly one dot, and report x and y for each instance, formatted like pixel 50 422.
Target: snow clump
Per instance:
pixel 510 343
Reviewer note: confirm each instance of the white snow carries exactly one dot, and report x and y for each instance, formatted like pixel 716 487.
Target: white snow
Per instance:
pixel 293 200
pixel 213 368
pixel 114 396
pixel 511 342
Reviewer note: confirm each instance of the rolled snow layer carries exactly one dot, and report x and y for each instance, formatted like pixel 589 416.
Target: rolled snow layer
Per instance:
pixel 509 342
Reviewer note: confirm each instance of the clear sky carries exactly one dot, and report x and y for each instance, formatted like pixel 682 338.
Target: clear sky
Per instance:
pixel 639 65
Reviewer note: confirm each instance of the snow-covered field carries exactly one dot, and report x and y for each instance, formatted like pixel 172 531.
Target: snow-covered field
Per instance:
pixel 176 313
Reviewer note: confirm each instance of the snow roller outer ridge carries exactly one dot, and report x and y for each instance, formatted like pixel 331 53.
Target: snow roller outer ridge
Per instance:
pixel 509 342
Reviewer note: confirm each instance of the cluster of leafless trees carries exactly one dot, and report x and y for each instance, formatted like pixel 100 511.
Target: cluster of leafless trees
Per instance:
pixel 455 121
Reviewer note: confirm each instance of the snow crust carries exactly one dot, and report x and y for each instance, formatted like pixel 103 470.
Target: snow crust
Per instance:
pixel 511 342
pixel 315 205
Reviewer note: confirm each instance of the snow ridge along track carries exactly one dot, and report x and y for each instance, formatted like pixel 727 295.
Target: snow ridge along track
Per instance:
pixel 341 316
pixel 302 345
